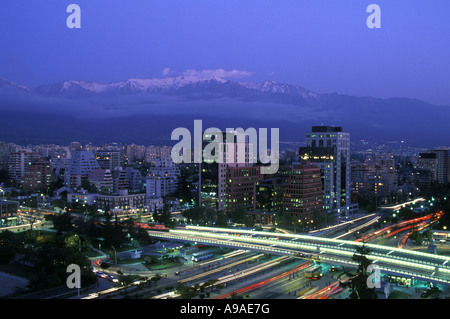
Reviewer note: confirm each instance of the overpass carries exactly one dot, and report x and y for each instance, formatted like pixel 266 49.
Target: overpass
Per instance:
pixel 394 261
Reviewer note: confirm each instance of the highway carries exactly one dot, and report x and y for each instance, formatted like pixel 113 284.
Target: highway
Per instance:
pixel 265 282
pixel 390 260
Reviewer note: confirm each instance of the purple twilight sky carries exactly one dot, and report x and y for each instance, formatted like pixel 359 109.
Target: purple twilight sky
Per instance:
pixel 322 45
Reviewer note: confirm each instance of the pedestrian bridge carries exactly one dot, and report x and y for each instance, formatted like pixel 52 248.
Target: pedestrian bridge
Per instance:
pixel 394 261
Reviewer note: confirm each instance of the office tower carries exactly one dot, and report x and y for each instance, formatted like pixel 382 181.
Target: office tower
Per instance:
pixel 376 176
pixel 361 177
pixel 80 167
pixel 437 162
pixel 38 175
pixel 108 159
pixel 162 178
pixel 386 175
pixel 442 164
pixel 17 162
pixel 428 161
pixel 241 185
pixel 213 174
pixel 422 178
pixel 303 195
pixel 328 147
pixel 269 194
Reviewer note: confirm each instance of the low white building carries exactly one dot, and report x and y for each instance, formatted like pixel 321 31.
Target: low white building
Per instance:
pixel 82 198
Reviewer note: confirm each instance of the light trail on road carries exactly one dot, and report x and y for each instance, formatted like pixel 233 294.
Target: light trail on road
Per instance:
pixel 265 282
pixel 326 292
pixel 219 269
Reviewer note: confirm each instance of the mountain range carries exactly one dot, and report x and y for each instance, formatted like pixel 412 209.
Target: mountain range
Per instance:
pixel 147 110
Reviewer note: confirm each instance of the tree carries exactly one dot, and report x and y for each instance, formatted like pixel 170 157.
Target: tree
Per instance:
pixel 357 281
pixel 50 260
pixel 163 216
pixel 55 185
pixel 184 192
pixel 239 216
pixel 202 215
pixel 186 292
pixel 208 283
pixel 221 220
pixel 73 241
pixel 7 248
pixel 88 186
pixel 58 203
pixel 62 223
pixel 319 218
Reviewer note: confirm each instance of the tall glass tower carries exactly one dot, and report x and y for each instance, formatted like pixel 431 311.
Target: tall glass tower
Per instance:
pixel 328 147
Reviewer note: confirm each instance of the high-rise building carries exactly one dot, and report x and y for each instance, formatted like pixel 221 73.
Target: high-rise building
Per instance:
pixel 37 175
pixel 303 194
pixel 108 159
pixel 213 173
pixel 328 147
pixel 442 164
pixel 376 176
pixel 80 167
pixel 437 162
pixel 17 162
pixel 269 194
pixel 428 161
pixel 361 178
pixel 241 183
pixel 162 178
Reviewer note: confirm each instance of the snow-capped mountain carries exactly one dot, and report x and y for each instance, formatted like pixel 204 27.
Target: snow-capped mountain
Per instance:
pixel 179 85
pixel 136 109
pixel 9 84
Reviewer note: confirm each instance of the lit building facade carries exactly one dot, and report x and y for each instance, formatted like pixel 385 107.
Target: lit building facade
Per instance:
pixel 328 147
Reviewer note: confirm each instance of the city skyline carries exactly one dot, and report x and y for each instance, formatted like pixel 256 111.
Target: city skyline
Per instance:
pixel 227 149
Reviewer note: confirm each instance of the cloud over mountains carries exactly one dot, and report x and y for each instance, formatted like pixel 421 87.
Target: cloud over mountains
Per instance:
pixel 222 97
